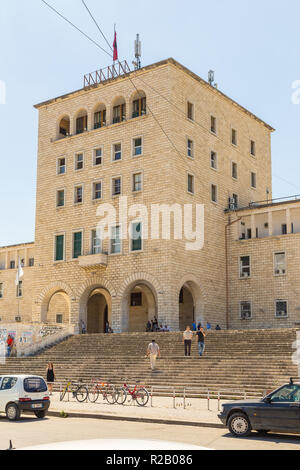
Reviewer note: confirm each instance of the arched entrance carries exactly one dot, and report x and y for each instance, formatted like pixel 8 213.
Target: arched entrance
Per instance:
pixel 59 308
pixel 98 311
pixel 139 306
pixel 191 305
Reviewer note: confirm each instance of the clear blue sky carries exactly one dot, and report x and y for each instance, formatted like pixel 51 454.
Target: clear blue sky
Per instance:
pixel 253 45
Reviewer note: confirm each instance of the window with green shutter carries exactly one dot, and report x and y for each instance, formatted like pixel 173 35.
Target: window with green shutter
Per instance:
pixel 136 237
pixel 77 245
pixel 59 248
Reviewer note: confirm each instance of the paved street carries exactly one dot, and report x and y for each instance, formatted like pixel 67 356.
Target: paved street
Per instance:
pixel 31 431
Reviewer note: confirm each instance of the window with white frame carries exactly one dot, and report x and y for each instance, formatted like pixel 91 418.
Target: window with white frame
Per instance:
pixel 245 268
pixel 214 193
pixel 61 166
pixel 117 152
pixel 79 161
pixel 60 198
pixel 137 146
pixel 213 160
pixel 97 191
pixel 59 248
pixel 115 240
pixel 1 290
pixel 98 154
pixel 253 180
pixel 78 194
pixel 245 310
pixel 137 182
pixel 116 186
pixel 281 308
pixel 279 264
pixel 77 245
pixel 191 184
pixel 96 242
pixel 190 148
pixel 136 236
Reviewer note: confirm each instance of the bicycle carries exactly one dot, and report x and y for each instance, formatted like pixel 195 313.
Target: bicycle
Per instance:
pixel 79 391
pixel 108 391
pixel 139 394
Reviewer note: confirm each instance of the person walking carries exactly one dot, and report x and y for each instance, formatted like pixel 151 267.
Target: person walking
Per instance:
pixel 154 352
pixel 187 341
pixel 10 344
pixel 50 376
pixel 201 341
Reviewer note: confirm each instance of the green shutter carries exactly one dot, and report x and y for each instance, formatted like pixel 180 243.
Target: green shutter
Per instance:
pixel 77 245
pixel 137 243
pixel 59 251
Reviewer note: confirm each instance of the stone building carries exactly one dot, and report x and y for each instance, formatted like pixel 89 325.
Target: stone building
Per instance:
pixel 159 136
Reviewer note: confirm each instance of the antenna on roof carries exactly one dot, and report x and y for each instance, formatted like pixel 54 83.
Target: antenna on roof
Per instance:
pixel 211 79
pixel 138 53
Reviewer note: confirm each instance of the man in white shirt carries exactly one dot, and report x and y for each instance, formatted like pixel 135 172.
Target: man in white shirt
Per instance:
pixel 187 341
pixel 153 351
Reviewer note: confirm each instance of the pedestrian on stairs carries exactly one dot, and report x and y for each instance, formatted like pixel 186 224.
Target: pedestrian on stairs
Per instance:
pixel 154 352
pixel 50 376
pixel 201 341
pixel 187 341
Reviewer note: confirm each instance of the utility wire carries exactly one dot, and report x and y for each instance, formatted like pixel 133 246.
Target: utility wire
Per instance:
pixel 98 27
pixel 74 26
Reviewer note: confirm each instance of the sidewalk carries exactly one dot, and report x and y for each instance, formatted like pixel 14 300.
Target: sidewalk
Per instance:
pixel 195 414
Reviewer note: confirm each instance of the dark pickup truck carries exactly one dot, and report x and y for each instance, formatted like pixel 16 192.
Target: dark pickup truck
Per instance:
pixel 278 412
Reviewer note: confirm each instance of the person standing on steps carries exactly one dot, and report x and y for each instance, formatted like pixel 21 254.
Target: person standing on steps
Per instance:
pixel 10 344
pixel 50 376
pixel 201 341
pixel 154 352
pixel 187 341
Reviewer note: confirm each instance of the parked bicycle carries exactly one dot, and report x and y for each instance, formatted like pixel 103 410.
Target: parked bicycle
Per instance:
pixel 106 389
pixel 138 393
pixel 78 390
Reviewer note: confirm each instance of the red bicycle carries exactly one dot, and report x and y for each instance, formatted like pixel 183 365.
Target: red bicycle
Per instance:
pixel 139 394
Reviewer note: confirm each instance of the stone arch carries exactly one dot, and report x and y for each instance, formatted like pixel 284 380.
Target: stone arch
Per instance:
pixel 81 121
pixel 63 126
pixel 99 115
pixel 118 110
pixel 149 288
pixel 138 104
pixel 191 284
pixel 46 295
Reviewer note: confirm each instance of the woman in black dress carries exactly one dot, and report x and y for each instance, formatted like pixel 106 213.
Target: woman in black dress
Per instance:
pixel 50 376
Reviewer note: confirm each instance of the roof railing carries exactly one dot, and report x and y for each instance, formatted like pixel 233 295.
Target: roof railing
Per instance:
pixel 108 73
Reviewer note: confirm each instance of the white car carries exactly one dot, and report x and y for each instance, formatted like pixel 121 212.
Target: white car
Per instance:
pixel 23 393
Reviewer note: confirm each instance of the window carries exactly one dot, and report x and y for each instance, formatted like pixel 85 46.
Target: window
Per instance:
pixel 35 385
pixel 139 107
pixel 61 166
pixel 99 119
pixel 12 265
pixel 1 290
pixel 213 160
pixel 115 241
pixel 97 191
pixel 190 111
pixel 245 311
pixel 78 195
pixel 252 148
pixel 253 180
pixel 116 186
pixel 233 136
pixel 214 193
pixel 245 269
pixel 235 201
pixel 8 383
pixel 81 124
pixel 191 184
pixel 59 319
pixel 136 236
pixel 213 124
pixel 98 157
pixel 77 245
pixel 281 309
pixel 60 198
pixel 284 229
pixel 117 152
pixel 190 148
pixel 287 394
pixel 234 170
pixel 31 262
pixel 137 182
pixel 119 113
pixel 137 147
pixel 96 242
pixel 59 247
pixel 279 264
pixel 136 299
pixel 19 289
pixel 79 161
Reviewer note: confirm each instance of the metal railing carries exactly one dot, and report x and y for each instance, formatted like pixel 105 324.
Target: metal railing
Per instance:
pixel 113 71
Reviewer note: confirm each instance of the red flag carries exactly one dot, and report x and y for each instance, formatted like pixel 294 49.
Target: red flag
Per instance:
pixel 115 48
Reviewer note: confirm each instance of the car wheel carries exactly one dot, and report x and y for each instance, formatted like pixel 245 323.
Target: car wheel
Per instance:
pixel 13 412
pixel 40 414
pixel 239 425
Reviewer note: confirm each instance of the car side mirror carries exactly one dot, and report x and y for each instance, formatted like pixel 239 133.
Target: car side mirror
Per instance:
pixel 268 400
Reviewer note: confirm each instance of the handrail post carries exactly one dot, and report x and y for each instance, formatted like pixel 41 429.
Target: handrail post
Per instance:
pixel 219 398
pixel 174 398
pixel 208 398
pixel 184 397
pixel 151 397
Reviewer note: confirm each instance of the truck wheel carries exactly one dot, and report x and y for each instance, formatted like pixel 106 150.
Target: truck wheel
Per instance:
pixel 40 414
pixel 13 412
pixel 239 425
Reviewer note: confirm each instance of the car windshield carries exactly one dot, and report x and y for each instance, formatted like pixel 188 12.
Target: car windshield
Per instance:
pixel 288 393
pixel 35 385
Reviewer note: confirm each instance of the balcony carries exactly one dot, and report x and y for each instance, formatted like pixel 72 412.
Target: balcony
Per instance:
pixel 93 260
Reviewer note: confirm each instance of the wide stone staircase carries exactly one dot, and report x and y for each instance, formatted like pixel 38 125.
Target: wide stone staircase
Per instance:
pixel 247 361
